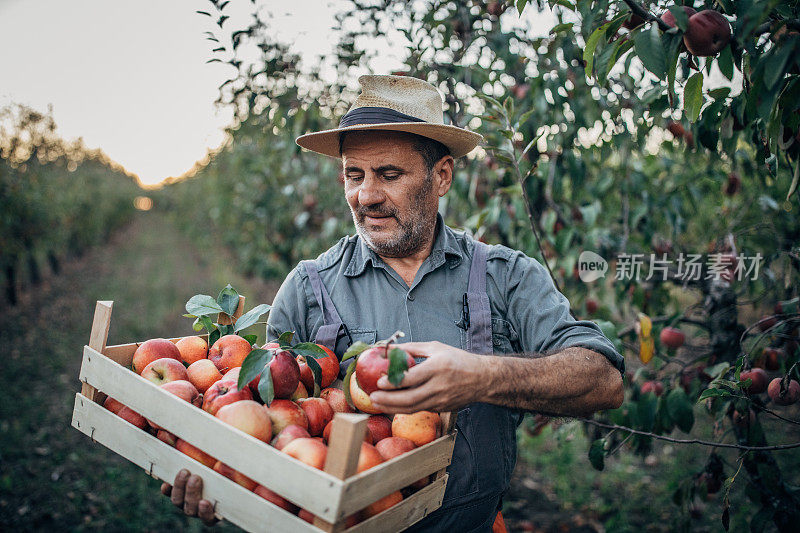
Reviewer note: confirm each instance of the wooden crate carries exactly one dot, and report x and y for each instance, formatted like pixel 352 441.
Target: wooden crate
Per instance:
pixel 331 495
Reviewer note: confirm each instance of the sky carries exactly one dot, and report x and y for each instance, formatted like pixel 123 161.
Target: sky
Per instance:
pixel 132 78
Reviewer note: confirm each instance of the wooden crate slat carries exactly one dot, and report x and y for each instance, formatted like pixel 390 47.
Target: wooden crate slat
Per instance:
pixel 408 511
pixel 367 487
pixel 259 461
pixel 234 503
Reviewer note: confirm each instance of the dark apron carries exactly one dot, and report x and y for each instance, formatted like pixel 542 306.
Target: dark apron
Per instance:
pixel 485 450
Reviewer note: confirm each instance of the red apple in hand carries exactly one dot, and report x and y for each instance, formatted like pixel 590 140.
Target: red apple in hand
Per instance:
pixel 229 352
pixel 149 351
pixel 708 33
pixel 222 393
pixel 374 363
pixel 165 370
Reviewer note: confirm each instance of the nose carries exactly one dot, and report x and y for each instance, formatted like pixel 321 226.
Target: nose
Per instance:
pixel 370 192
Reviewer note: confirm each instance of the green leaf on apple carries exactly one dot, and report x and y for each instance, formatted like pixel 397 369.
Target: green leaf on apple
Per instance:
pixel 252 338
pixel 202 304
pixel 355 349
pixel 309 350
pixel 317 371
pixel 265 388
pixel 398 364
pixel 228 300
pixel 597 454
pixel 253 365
pixel 285 339
pixel 251 317
pixel 346 384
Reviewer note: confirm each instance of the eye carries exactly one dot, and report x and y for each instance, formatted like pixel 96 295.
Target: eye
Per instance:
pixel 354 177
pixel 391 176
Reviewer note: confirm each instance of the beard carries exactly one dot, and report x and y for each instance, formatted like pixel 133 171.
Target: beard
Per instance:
pixel 412 233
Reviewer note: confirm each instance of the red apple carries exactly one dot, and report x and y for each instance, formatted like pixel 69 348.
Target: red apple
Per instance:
pixel 195 453
pixel 153 349
pixel 360 398
pixel 224 392
pixel 672 337
pixel 299 392
pixel 202 374
pixel 708 33
pixel 248 416
pixel 288 434
pixel 653 386
pixel 772 358
pixel 277 499
pixel 421 427
pixel 337 401
pixel 310 451
pixel 166 436
pixel 783 397
pixel 368 457
pixel 112 405
pixel 233 374
pixel 669 18
pixel 329 366
pixel 284 413
pixel 165 370
pixel 229 352
pixel 192 349
pixel 318 412
pixel 235 475
pixel 759 383
pixel 285 375
pixel 128 414
pixel 381 505
pixel 391 447
pixel 591 306
pixel 379 427
pixel 374 363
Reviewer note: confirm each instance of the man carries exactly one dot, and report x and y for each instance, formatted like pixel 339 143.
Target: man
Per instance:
pixel 460 303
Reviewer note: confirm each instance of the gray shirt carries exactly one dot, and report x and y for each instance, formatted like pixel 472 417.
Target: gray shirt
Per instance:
pixel 528 314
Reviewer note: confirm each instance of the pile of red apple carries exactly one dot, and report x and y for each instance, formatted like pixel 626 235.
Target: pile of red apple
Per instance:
pixel 293 422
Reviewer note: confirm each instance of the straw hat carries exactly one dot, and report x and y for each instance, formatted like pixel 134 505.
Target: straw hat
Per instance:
pixel 396 103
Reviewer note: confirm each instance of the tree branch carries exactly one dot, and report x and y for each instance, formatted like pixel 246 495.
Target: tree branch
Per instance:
pixel 638 9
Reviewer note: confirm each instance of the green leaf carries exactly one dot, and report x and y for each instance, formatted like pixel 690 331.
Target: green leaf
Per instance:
pixel 309 349
pixel 251 317
pixel 253 365
pixel 521 5
pixel 646 411
pixel 711 393
pixel 725 62
pixel 775 66
pixel 651 51
pixel 398 364
pixel 206 322
pixel 561 27
pixel 202 304
pixel 680 409
pixel 355 349
pixel 266 388
pixel 317 371
pixel 693 96
pixel 597 454
pixel 591 45
pixel 795 180
pixel 252 338
pixel 228 300
pixel 213 336
pixel 285 339
pixel 346 384
pixel 681 18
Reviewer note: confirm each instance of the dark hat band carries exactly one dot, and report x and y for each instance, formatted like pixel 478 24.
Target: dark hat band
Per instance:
pixel 374 115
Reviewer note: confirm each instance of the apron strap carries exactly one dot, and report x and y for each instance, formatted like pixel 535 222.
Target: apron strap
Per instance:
pixel 328 334
pixel 479 335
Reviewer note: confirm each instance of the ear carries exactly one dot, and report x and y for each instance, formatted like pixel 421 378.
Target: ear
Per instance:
pixel 443 170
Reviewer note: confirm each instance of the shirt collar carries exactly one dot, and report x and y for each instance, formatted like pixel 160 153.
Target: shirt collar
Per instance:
pixel 445 248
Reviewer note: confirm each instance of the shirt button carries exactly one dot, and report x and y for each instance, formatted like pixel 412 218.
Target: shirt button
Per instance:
pixel 410 297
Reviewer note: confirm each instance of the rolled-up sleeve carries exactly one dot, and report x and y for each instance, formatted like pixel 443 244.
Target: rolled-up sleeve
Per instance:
pixel 540 314
pixel 289 309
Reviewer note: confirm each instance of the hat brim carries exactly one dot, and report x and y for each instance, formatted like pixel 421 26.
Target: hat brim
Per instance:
pixel 458 140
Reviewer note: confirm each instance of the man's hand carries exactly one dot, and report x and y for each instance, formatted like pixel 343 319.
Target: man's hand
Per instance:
pixel 186 494
pixel 448 379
